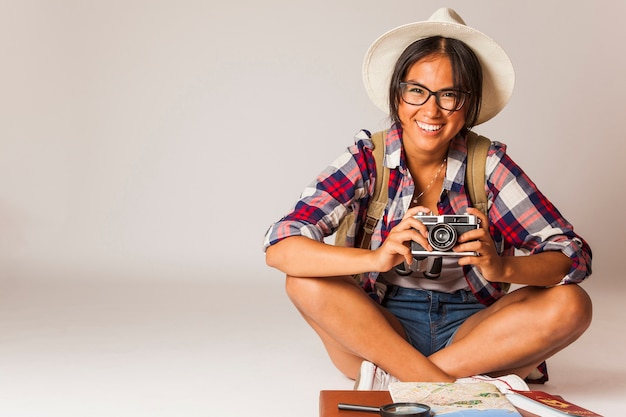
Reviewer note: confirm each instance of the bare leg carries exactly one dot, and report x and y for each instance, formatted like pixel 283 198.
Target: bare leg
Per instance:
pixel 517 332
pixel 512 336
pixel 354 328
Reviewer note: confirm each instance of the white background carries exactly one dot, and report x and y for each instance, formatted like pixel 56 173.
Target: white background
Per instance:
pixel 172 133
pixel 143 139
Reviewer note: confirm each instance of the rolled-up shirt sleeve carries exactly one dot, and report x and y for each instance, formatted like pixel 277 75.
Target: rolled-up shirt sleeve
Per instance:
pixel 577 250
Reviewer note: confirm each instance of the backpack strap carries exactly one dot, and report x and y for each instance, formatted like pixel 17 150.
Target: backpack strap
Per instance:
pixel 477 148
pixel 377 205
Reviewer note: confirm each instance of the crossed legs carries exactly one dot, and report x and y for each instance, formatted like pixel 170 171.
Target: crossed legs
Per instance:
pixel 513 335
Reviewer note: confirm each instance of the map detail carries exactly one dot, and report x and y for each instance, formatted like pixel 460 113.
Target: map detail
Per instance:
pixel 460 399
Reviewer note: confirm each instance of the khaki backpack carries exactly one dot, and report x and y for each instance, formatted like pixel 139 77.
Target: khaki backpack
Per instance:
pixel 477 148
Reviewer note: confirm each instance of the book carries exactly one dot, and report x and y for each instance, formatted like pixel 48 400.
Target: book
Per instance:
pixel 479 399
pixel 534 401
pixel 547 405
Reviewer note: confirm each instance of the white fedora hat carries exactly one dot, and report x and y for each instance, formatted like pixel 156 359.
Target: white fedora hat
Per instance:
pixel 498 73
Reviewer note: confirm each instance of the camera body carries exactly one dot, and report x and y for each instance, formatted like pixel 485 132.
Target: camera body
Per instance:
pixel 443 232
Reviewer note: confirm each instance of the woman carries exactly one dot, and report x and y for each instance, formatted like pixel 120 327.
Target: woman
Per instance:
pixel 437 79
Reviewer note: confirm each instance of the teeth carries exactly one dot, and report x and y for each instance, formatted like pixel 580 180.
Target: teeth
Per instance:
pixel 429 128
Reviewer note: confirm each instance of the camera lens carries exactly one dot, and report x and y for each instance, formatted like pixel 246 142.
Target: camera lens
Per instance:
pixel 442 237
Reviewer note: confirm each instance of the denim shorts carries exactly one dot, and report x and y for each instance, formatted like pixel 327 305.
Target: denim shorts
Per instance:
pixel 430 318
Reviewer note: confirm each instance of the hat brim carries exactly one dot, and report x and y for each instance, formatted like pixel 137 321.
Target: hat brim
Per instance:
pixel 498 72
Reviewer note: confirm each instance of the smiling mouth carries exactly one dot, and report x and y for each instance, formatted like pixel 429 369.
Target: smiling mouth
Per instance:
pixel 428 128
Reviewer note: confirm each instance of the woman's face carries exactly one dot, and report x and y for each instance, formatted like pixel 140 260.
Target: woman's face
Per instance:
pixel 428 128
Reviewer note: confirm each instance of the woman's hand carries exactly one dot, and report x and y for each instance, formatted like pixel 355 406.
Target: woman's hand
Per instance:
pixel 397 247
pixel 490 263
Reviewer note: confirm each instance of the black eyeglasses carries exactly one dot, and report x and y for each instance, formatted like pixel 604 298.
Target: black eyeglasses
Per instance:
pixel 447 99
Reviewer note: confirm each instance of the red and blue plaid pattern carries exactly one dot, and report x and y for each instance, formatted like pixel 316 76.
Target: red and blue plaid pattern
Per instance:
pixel 521 217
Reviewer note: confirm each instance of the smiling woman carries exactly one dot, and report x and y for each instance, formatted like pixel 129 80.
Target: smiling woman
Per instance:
pixel 437 80
pixel 428 128
pixel 148 145
pixel 466 84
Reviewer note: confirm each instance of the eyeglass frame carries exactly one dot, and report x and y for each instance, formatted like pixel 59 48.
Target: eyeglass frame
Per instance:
pixel 463 99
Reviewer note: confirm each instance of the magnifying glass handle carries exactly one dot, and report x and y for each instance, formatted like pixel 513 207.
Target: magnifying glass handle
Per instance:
pixel 355 407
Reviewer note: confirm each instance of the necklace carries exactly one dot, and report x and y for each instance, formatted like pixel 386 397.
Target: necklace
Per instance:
pixel 416 199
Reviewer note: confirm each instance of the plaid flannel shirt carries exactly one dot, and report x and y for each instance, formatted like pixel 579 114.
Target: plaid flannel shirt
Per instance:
pixel 522 220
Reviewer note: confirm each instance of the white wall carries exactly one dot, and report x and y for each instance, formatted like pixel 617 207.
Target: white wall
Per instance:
pixel 167 135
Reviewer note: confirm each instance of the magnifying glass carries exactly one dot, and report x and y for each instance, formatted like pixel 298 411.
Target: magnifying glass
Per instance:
pixel 391 410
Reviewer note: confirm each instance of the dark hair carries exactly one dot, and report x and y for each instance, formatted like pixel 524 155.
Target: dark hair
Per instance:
pixel 466 73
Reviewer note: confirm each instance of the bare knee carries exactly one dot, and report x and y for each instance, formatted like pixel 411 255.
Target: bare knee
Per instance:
pixel 300 290
pixel 570 310
pixel 310 295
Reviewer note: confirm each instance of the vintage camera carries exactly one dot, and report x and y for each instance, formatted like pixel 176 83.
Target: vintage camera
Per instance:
pixel 443 232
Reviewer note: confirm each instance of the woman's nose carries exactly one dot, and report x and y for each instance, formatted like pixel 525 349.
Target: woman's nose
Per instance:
pixel 430 107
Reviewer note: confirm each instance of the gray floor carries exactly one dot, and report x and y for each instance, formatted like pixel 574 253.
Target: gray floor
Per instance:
pixel 107 343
